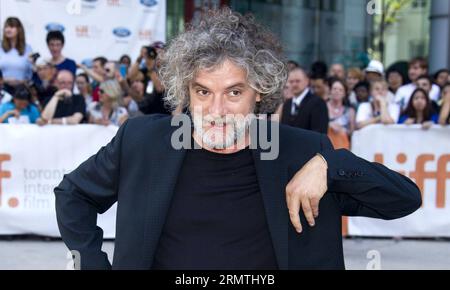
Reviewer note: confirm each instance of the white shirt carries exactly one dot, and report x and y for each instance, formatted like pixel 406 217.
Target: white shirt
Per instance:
pixel 405 92
pixel 365 112
pixel 296 101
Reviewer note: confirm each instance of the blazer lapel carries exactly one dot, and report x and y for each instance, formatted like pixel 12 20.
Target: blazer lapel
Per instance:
pixel 272 178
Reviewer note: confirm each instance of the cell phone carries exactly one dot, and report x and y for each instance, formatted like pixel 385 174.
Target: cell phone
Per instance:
pixel 35 56
pixel 123 70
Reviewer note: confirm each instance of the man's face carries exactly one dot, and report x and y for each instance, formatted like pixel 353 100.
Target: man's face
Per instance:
pixel 415 71
pixel 373 77
pixel 319 87
pixel 298 82
pixel 338 71
pixel 55 46
pixel 220 100
pixel 98 68
pixel 424 84
pixel 362 94
pixel 64 81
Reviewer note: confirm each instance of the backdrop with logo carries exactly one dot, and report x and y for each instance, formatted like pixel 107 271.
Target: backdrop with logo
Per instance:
pixel 33 161
pixel 92 28
pixel 424 156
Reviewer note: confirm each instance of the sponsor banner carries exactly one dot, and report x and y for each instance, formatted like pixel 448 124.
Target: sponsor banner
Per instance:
pixel 92 28
pixel 423 156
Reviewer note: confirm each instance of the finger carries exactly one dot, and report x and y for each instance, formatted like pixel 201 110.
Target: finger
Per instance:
pixel 294 210
pixel 307 211
pixel 315 206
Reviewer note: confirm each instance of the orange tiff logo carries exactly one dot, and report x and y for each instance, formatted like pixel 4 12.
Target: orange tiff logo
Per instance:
pixel 12 202
pixel 420 174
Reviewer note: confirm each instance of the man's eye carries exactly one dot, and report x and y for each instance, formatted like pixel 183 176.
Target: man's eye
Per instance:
pixel 202 92
pixel 235 93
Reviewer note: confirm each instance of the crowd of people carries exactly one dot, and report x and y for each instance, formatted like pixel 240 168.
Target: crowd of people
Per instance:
pixel 61 91
pixel 334 100
pixel 355 98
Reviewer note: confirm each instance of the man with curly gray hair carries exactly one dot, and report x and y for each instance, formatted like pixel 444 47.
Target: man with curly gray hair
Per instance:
pixel 219 205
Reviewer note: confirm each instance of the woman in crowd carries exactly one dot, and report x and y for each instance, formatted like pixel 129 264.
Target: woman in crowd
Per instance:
pixel 419 110
pixel 444 118
pixel 20 110
pixel 341 114
pixel 14 55
pixel 84 87
pixel 354 76
pixel 441 77
pixel 107 111
pixel 379 110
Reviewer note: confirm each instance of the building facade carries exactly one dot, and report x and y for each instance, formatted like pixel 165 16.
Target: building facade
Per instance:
pixel 344 31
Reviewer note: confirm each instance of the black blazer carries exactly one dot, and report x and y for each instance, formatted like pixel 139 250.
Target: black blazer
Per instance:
pixel 312 114
pixel 139 169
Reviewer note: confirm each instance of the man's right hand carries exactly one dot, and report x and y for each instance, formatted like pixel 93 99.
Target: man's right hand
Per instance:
pixel 62 94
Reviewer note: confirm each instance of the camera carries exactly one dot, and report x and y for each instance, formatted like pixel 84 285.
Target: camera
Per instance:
pixel 151 52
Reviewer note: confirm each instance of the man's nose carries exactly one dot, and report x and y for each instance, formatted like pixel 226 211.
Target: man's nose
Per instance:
pixel 217 107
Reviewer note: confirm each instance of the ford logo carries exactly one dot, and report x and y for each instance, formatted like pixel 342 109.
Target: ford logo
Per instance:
pixel 55 27
pixel 149 3
pixel 121 32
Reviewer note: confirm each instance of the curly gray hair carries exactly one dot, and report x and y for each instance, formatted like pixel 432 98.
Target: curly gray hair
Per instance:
pixel 225 35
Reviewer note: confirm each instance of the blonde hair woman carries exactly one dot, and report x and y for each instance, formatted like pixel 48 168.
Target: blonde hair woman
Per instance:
pixel 108 111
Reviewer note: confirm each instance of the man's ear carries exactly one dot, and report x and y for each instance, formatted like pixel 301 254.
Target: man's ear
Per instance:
pixel 258 97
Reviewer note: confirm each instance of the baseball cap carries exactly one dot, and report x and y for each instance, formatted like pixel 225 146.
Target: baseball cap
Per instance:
pixel 375 66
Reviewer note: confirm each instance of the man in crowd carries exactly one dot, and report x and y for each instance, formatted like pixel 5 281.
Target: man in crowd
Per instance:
pixel 305 110
pixel 337 70
pixel 417 67
pixel 320 87
pixel 64 108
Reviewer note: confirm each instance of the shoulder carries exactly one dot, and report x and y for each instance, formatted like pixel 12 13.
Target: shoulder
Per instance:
pixel 298 138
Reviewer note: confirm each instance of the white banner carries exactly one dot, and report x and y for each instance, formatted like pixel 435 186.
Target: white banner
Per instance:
pixel 424 156
pixel 33 161
pixel 92 28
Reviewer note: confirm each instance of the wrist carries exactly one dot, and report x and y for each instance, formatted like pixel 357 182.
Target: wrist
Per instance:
pixel 323 160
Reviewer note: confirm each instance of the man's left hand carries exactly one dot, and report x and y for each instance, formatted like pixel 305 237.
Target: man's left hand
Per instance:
pixel 306 190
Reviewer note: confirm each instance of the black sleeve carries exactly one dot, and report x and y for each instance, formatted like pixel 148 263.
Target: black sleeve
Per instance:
pixel 368 189
pixel 319 117
pixel 89 190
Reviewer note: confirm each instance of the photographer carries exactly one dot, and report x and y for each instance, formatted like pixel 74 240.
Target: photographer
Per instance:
pixel 152 99
pixel 64 107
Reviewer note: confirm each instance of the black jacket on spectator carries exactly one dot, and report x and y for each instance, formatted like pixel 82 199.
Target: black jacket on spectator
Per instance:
pixel 139 170
pixel 153 104
pixel 312 114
